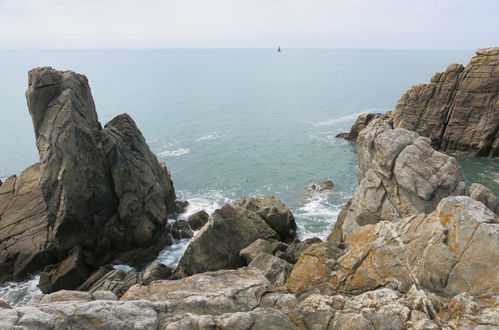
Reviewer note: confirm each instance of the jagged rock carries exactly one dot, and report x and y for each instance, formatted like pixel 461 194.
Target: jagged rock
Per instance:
pixel 275 269
pixel 458 108
pixel 322 186
pixel 70 273
pixel 102 190
pixel 296 248
pixel 273 212
pixel 198 220
pixel 227 232
pixel 447 252
pixel 400 174
pixel 480 193
pixel 180 229
pixel 4 305
pixel 254 249
pixel 360 123
pixel 24 229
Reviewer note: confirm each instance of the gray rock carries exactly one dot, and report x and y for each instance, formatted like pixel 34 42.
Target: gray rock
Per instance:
pixel 400 175
pixel 322 186
pixel 273 212
pixel 227 232
pixel 198 220
pixel 457 109
pixel 99 189
pixel 254 249
pixel 360 123
pixel 275 269
pixel 480 193
pixel 180 229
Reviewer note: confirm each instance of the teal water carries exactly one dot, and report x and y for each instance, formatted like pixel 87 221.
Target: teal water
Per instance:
pixel 232 123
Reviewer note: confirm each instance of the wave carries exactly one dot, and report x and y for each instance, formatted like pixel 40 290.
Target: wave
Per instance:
pixel 174 153
pixel 342 119
pixel 213 136
pixel 19 293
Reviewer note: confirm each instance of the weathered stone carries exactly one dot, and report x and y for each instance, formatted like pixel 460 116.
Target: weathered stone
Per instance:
pixel 322 186
pixel 360 123
pixel 458 109
pixel 400 175
pixel 446 252
pixel 179 229
pixel 480 193
pixel 275 269
pixel 296 248
pixel 273 212
pixel 254 249
pixel 198 220
pixel 227 232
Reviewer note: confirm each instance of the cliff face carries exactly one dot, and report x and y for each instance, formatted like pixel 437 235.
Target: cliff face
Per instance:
pixel 97 192
pixel 458 109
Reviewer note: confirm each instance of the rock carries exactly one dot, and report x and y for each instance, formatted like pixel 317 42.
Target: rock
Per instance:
pixel 118 282
pixel 23 226
pixel 227 232
pixel 198 220
pixel 296 248
pixel 256 248
pixel 273 212
pixel 458 108
pixel 400 175
pixel 446 252
pixel 362 121
pixel 484 195
pixel 100 189
pixel 275 269
pixel 4 305
pixel 71 272
pixel 322 186
pixel 180 229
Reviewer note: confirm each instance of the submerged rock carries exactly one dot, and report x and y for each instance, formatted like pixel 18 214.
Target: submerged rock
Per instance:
pixel 99 189
pixel 322 186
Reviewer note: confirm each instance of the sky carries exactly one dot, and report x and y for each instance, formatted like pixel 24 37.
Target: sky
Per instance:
pixel 387 24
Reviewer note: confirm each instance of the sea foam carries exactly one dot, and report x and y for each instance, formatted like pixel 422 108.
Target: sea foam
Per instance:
pixel 174 153
pixel 342 119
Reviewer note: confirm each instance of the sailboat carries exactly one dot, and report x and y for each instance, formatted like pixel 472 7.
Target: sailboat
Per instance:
pixel 278 49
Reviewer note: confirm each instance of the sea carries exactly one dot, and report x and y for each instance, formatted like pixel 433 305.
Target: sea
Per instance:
pixel 234 122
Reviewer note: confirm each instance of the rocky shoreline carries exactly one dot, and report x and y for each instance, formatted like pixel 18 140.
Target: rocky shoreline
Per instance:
pixel 414 247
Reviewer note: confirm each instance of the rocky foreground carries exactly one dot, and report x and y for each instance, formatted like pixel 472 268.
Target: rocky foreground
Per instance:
pixel 413 249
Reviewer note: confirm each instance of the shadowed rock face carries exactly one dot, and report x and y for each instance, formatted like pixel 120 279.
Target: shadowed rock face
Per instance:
pixel 99 190
pixel 458 109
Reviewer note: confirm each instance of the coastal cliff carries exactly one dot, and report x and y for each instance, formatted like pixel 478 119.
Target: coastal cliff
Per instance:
pixel 458 110
pixel 412 249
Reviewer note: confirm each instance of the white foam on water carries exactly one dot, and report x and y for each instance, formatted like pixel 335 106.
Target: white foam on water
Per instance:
pixel 342 119
pixel 208 201
pixel 174 153
pixel 213 136
pixel 317 215
pixel 19 293
pixel 124 268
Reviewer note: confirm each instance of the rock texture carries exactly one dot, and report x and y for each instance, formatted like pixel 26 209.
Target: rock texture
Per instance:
pixel 480 193
pixel 400 174
pixel 231 229
pixel 458 110
pixel 360 123
pixel 99 191
pixel 448 252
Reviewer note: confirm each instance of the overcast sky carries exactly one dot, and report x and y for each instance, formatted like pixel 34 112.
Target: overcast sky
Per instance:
pixel 454 24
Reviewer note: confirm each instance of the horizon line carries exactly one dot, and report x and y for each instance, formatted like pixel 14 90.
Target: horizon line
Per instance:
pixel 239 48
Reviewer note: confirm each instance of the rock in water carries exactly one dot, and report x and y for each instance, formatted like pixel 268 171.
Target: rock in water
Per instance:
pixel 458 109
pixel 400 174
pixel 362 121
pixel 100 190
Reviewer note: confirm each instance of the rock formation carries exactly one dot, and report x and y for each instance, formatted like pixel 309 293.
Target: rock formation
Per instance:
pixel 458 110
pixel 400 174
pixel 96 193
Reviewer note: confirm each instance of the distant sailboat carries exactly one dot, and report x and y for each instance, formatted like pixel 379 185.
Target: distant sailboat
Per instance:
pixel 278 49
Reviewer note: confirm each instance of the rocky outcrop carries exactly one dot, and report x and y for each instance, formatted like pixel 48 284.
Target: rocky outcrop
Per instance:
pixel 458 110
pixel 97 190
pixel 360 123
pixel 400 174
pixel 447 252
pixel 480 193
pixel 198 220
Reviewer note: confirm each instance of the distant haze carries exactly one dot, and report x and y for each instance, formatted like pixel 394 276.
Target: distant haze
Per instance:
pixel 454 24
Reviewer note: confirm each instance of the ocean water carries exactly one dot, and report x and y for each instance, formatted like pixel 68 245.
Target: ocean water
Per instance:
pixel 233 123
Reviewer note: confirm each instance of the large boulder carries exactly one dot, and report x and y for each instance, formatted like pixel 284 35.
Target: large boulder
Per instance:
pixel 458 109
pixel 100 190
pixel 218 243
pixel 448 252
pixel 400 174
pixel 360 123
pixel 273 212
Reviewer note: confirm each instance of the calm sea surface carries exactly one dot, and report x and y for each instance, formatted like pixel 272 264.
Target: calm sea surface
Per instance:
pixel 232 123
